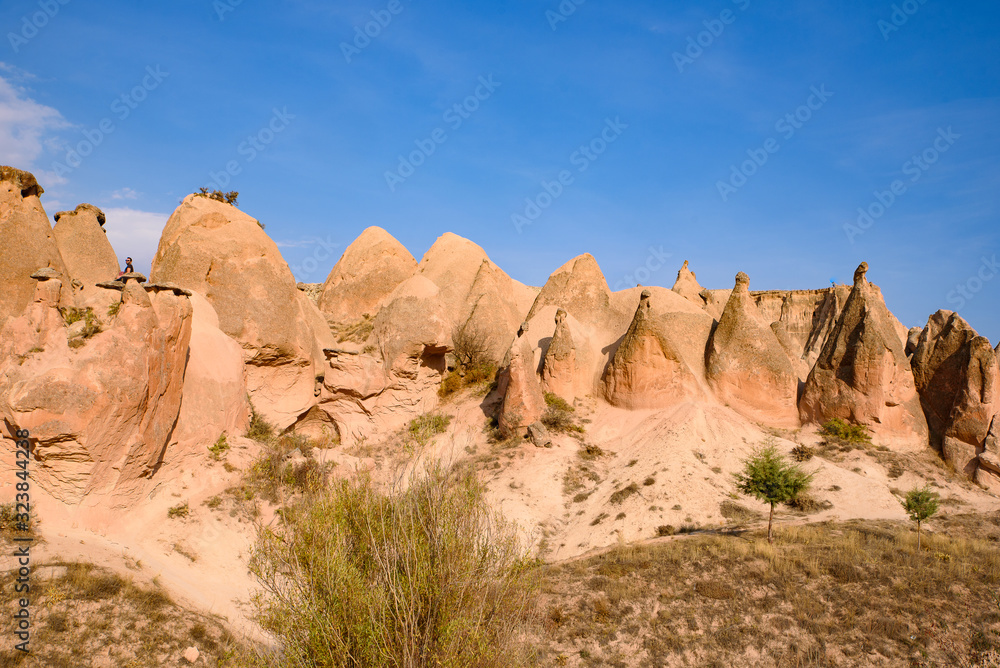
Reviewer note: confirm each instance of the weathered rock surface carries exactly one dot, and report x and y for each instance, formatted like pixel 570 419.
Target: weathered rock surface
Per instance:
pixel 368 271
pixel 103 412
pixel 559 373
pixel 687 285
pixel 647 370
pixel 863 375
pixel 28 242
pixel 89 257
pixel 747 366
pixel 216 250
pixel 523 399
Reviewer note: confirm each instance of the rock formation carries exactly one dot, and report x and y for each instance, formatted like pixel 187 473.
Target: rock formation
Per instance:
pixel 687 286
pixel 368 271
pixel 955 372
pixel 747 366
pixel 216 250
pixel 647 370
pixel 28 242
pixel 89 257
pixel 862 375
pixel 559 366
pixel 523 399
pixel 103 411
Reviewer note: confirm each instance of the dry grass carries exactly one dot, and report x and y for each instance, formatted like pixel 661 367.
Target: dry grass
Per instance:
pixel 847 594
pixel 87 609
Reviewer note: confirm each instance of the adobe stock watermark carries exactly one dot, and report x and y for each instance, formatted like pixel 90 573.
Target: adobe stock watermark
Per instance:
pixel 696 44
pixel 455 116
pixel 122 107
pixel 223 7
pixel 786 126
pixel 363 35
pixel 654 262
pixel 914 168
pixel 967 291
pixel 32 24
pixel 899 17
pixel 582 158
pixel 251 147
pixel 562 13
pixel 323 251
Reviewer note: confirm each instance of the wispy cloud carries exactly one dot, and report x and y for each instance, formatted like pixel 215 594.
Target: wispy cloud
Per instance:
pixel 125 193
pixel 27 129
pixel 136 234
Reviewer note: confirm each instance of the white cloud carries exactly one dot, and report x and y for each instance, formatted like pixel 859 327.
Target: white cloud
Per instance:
pixel 135 234
pixel 125 193
pixel 27 128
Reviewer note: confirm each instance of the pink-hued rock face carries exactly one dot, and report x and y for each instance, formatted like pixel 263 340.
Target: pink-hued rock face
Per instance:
pixel 216 250
pixel 27 242
pixel 862 375
pixel 747 366
pixel 523 399
pixel 88 254
pixel 103 412
pixel 368 271
pixel 647 370
pixel 687 285
pixel 559 372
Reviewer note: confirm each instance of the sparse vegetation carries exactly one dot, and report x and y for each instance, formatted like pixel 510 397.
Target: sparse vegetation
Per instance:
pixel 260 429
pixel 228 198
pixel 559 415
pixel 802 453
pixel 114 308
pixel 355 332
pixel 921 505
pixel 840 431
pixel 475 364
pixel 91 325
pixel 767 477
pixel 180 511
pixel 423 577
pixel 618 497
pixel 219 449
pixel 422 429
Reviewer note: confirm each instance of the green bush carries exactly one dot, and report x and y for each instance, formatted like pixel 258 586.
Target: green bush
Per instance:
pixel 219 450
pixel 846 433
pixel 428 576
pixel 427 426
pixel 558 415
pixel 558 403
pixel 181 510
pixel 260 429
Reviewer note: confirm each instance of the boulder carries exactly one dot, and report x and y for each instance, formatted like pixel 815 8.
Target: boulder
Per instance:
pixel 747 366
pixel 648 370
pixel 913 340
pixel 523 400
pixel 368 271
pixel 863 375
pixel 89 257
pixel 216 250
pixel 687 286
pixel 28 243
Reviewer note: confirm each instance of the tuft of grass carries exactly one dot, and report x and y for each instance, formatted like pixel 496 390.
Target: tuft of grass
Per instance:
pixel 846 433
pixel 737 513
pixel 180 511
pixel 260 429
pixel 618 497
pixel 114 308
pixel 356 332
pixel 422 429
pixel 219 449
pixel 559 416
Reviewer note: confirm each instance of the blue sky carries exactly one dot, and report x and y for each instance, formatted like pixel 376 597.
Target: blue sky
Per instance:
pixel 643 108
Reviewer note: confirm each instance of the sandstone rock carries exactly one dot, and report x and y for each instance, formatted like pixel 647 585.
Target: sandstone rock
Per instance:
pixel 368 271
pixel 559 367
pixel 216 250
pixel 647 370
pixel 28 242
pixel 102 413
pixel 539 435
pixel 191 654
pixel 687 286
pixel 862 375
pixel 88 254
pixel 747 366
pixel 312 290
pixel 580 288
pixel 913 340
pixel 523 399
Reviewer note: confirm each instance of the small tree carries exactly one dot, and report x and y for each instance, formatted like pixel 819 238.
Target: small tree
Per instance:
pixel 920 504
pixel 767 477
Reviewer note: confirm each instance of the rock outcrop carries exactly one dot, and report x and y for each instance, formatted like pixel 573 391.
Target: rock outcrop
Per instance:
pixel 103 410
pixel 747 366
pixel 647 370
pixel 687 285
pixel 559 366
pixel 28 242
pixel 956 375
pixel 863 375
pixel 216 250
pixel 89 257
pixel 368 271
pixel 523 399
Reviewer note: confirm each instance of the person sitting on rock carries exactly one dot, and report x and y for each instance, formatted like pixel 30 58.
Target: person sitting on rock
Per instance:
pixel 128 268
